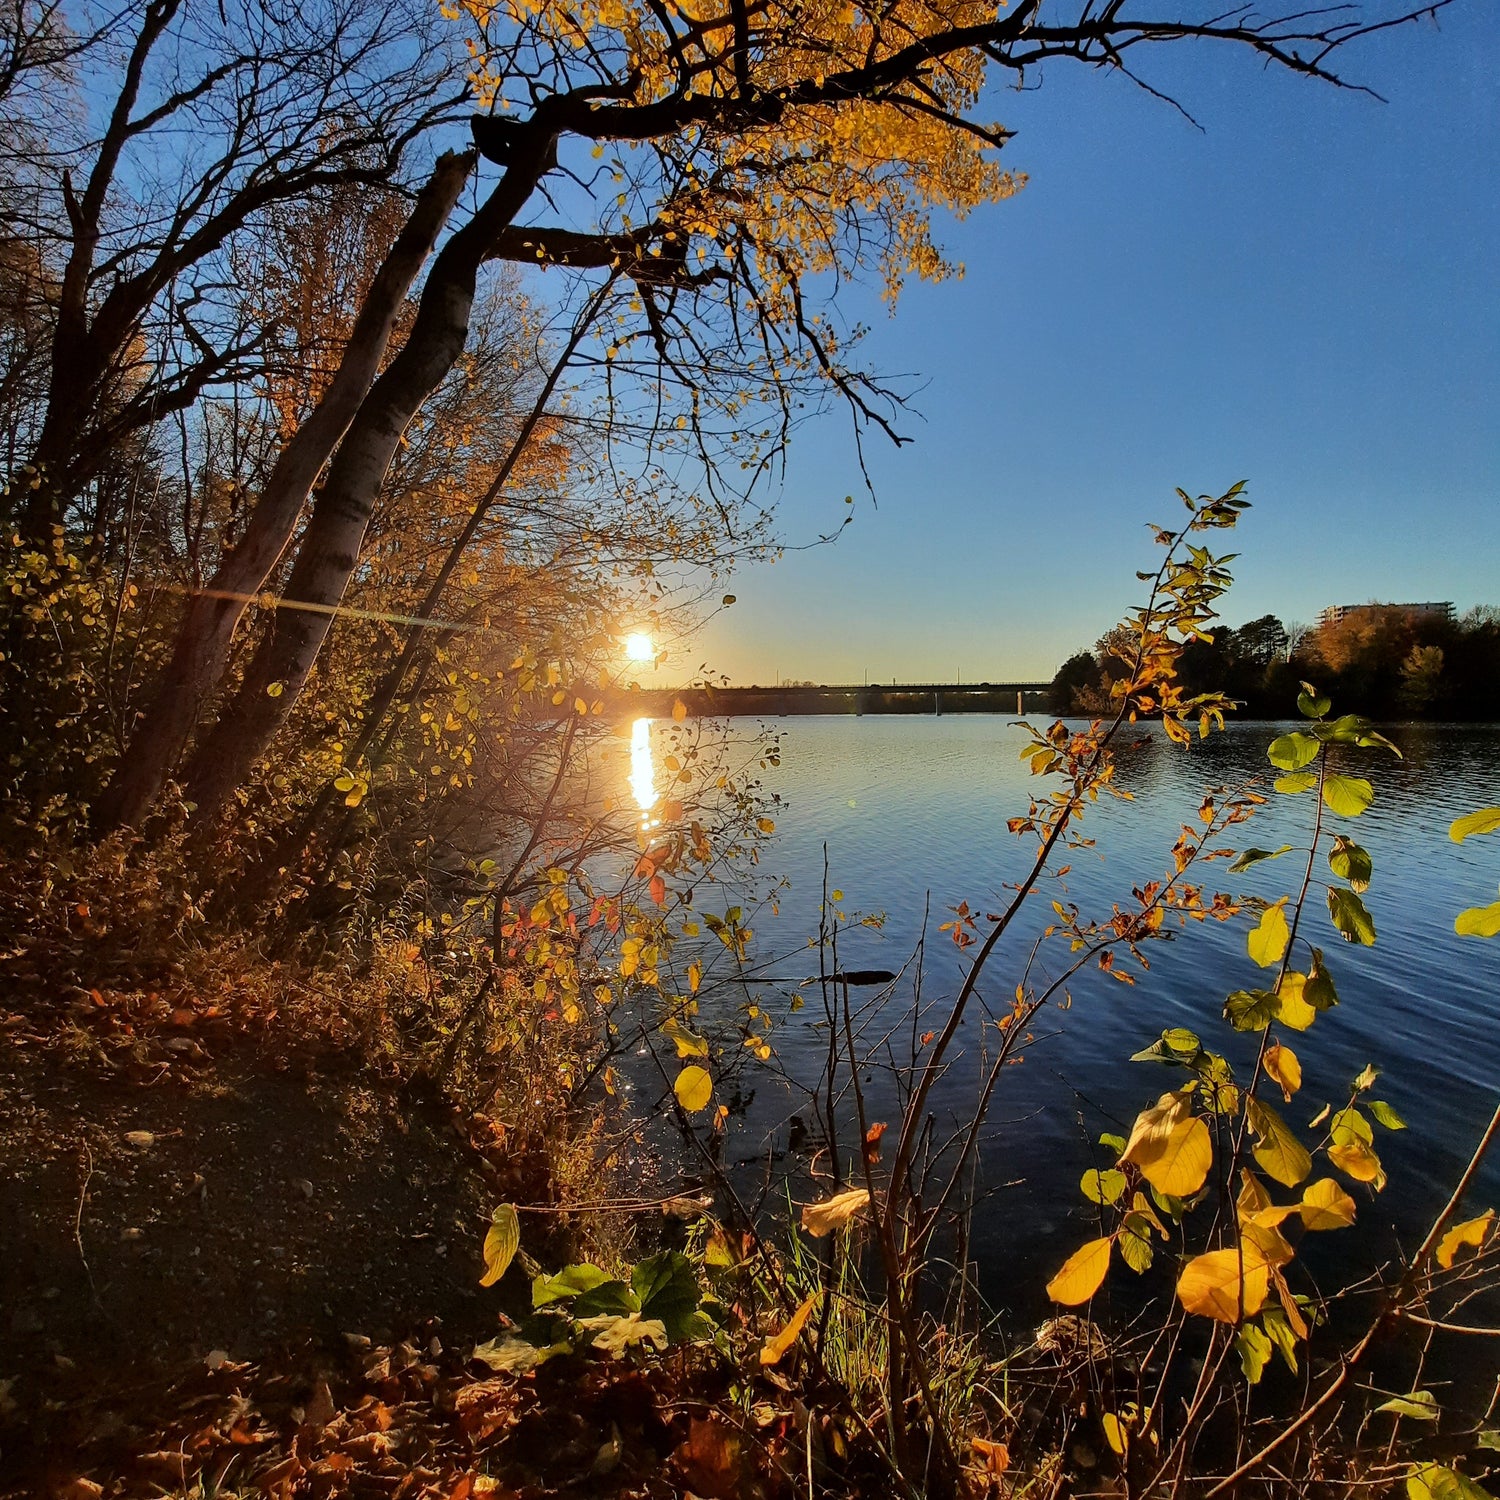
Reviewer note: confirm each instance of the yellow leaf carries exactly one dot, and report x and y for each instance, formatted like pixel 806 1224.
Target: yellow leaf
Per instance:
pixel 1282 1065
pixel 774 1348
pixel 1325 1205
pixel 1292 1007
pixel 1357 1160
pixel 500 1244
pixel 688 1043
pixel 1268 939
pixel 1171 1147
pixel 1279 1152
pixel 1216 1284
pixel 1081 1274
pixel 1114 1433
pixel 833 1213
pixel 994 1458
pixel 695 976
pixel 679 710
pixel 1470 1232
pixel 275 689
pixel 694 1088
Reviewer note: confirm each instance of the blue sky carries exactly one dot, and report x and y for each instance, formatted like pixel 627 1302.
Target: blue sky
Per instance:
pixel 1304 295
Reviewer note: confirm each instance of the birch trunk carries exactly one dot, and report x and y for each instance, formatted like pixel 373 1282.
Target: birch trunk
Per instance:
pixel 201 654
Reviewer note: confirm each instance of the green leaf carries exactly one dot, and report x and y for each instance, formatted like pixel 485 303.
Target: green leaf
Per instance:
pixel 1254 1349
pixel 1282 1335
pixel 1385 1115
pixel 1348 796
pixel 667 1288
pixel 1434 1482
pixel 1135 1243
pixel 1292 751
pixel 1319 991
pixel 1419 1404
pixel 1478 921
pixel 1251 1010
pixel 1102 1187
pixel 1268 939
pixel 571 1281
pixel 1298 781
pixel 1254 857
pixel 1351 918
pixel 515 1356
pixel 1486 820
pixel 500 1244
pixel 1310 705
pixel 1349 862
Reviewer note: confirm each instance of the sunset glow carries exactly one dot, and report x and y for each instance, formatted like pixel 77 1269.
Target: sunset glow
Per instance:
pixel 639 648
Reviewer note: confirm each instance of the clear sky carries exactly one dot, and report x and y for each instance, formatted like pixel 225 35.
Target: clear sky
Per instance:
pixel 1304 295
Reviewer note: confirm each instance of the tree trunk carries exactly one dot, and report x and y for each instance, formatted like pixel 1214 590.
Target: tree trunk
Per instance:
pixel 213 614
pixel 330 546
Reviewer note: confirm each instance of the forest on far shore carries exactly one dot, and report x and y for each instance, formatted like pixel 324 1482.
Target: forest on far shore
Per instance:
pixel 1386 661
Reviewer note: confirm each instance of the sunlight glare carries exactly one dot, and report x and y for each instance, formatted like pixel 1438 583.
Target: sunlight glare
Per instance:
pixel 639 648
pixel 642 772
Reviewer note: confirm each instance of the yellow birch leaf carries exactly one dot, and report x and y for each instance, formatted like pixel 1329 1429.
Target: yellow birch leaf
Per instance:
pixel 500 1244
pixel 833 1213
pixel 679 710
pixel 1114 1433
pixel 694 1088
pixel 1268 938
pixel 1081 1274
pixel 1282 1065
pixel 774 1348
pixel 1470 1232
pixel 1292 1007
pixel 1356 1160
pixel 1216 1284
pixel 1325 1205
pixel 1279 1152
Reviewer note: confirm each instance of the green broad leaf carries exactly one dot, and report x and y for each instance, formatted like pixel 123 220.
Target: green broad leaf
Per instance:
pixel 500 1243
pixel 1478 921
pixel 1298 781
pixel 1134 1243
pixel 1268 939
pixel 1489 1438
pixel 571 1281
pixel 1384 1114
pixel 1486 820
pixel 1254 1349
pixel 1350 917
pixel 1115 1143
pixel 1254 857
pixel 1318 991
pixel 1434 1482
pixel 1290 752
pixel 1102 1187
pixel 1419 1404
pixel 1310 705
pixel 667 1288
pixel 1169 1203
pixel 1282 1335
pixel 1177 1047
pixel 1344 730
pixel 1251 1010
pixel 1347 796
pixel 1371 739
pixel 1349 862
pixel 612 1297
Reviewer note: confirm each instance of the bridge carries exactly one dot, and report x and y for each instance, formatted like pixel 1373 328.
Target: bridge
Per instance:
pixel 864 698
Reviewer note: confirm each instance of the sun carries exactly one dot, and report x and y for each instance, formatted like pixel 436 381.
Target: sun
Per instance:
pixel 639 648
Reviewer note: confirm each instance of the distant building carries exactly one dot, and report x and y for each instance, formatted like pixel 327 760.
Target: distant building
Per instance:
pixel 1441 609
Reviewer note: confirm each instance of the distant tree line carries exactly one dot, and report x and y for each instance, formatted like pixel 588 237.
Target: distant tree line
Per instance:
pixel 1390 662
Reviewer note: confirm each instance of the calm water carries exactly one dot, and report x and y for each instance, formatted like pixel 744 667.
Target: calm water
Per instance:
pixel 912 814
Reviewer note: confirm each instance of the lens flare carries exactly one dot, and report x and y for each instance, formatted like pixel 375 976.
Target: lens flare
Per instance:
pixel 642 772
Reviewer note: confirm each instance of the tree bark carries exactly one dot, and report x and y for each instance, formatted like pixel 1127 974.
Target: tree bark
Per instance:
pixel 330 547
pixel 213 614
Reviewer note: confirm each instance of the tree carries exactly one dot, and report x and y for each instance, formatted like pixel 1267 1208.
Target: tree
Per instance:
pixel 725 164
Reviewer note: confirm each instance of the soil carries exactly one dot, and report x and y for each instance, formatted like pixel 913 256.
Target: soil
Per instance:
pixel 178 1193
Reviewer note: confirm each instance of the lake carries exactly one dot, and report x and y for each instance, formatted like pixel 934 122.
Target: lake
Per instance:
pixel 912 814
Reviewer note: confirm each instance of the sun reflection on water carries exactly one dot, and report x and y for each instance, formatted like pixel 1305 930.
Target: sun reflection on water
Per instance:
pixel 642 771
